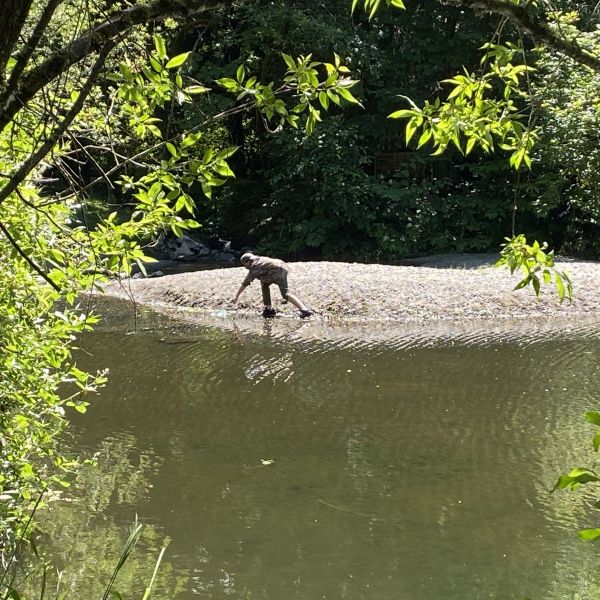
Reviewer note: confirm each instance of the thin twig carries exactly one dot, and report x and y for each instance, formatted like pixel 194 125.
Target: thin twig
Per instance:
pixel 45 148
pixel 13 242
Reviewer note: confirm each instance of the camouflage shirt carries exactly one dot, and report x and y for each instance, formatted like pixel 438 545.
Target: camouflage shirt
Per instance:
pixel 267 270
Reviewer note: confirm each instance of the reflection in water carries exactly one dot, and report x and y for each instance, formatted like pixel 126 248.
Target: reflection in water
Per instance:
pixel 87 544
pixel 280 467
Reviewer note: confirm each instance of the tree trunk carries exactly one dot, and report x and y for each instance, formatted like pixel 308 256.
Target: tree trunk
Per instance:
pixel 12 19
pixel 112 29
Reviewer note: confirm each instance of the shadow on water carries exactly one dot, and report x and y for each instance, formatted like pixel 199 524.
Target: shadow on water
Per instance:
pixel 291 460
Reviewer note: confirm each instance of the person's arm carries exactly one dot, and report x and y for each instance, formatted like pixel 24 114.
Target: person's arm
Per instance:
pixel 239 292
pixel 247 281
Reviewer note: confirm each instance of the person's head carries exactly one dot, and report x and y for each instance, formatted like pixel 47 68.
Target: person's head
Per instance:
pixel 247 259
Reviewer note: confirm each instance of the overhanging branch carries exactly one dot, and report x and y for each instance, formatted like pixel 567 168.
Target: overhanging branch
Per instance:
pixel 115 25
pixel 19 176
pixel 25 54
pixel 27 259
pixel 540 31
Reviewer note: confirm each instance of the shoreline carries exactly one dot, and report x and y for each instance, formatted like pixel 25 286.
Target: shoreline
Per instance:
pixel 354 293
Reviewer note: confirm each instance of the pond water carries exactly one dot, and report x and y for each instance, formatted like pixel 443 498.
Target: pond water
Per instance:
pixel 279 468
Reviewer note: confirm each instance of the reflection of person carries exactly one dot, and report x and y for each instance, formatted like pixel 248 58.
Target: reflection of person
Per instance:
pixel 268 271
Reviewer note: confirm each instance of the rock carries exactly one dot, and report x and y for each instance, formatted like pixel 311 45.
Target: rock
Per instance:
pixel 216 243
pixel 152 267
pixel 139 275
pixel 185 248
pixel 226 257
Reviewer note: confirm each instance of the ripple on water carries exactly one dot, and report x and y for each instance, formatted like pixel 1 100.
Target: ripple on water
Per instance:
pixel 406 456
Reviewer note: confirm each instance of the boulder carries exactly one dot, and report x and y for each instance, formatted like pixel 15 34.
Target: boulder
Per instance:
pixel 226 257
pixel 184 248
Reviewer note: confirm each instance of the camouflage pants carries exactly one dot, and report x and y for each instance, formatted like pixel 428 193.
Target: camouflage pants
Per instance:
pixel 281 283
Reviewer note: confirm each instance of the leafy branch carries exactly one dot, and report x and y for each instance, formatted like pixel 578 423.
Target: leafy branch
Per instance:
pixel 583 476
pixel 536 264
pixel 524 14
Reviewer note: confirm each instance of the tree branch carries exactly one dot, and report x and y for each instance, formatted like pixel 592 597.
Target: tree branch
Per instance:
pixel 540 31
pixel 43 150
pixel 12 18
pixel 90 41
pixel 29 261
pixel 25 54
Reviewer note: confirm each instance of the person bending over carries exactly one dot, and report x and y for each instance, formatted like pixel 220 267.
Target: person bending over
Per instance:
pixel 269 271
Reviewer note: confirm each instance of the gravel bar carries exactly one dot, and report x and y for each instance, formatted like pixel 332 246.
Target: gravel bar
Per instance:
pixel 457 288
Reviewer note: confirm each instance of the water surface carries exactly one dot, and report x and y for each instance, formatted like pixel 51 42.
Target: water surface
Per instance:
pixel 277 467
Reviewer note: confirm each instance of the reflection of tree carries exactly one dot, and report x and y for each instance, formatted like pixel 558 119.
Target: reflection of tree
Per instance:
pixel 85 540
pixel 121 470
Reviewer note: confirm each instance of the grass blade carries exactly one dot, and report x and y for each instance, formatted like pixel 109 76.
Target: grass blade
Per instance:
pixel 149 586
pixel 129 545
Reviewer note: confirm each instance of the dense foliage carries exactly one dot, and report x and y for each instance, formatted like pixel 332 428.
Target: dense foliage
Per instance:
pixel 356 190
pixel 386 196
pixel 106 118
pixel 121 121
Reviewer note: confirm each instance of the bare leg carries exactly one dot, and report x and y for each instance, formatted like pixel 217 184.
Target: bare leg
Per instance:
pixel 304 312
pixel 296 301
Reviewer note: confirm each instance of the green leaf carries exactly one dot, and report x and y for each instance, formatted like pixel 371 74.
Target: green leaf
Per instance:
pixel 589 534
pixel 156 132
pixel 471 142
pixel 225 154
pixel 547 276
pixel 324 100
pixel 523 283
pixel 26 471
pixel 593 417
pixel 229 84
pixel 346 95
pixel 159 44
pixel 560 288
pixel 146 595
pixel 223 169
pixel 410 130
pixel 196 89
pixel 425 137
pixel 172 149
pixel 289 61
pixel 374 6
pixel 126 71
pixel 402 113
pixel 310 123
pixel 178 60
pixel 333 97
pixel 583 475
pixel 190 140
pixel 155 65
pixel 240 74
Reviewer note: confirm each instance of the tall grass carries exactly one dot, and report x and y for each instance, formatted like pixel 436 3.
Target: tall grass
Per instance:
pixel 13 569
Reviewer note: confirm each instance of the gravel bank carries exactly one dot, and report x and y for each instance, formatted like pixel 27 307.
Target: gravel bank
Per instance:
pixel 460 288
